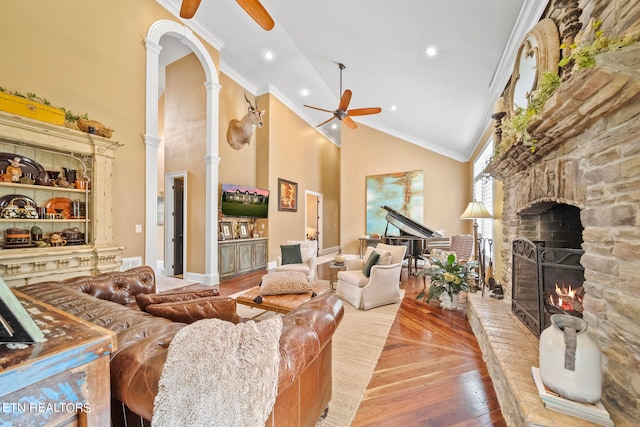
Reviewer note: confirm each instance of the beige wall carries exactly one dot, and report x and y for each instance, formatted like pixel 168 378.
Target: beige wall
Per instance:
pixel 236 166
pixel 90 57
pixel 295 151
pixel 184 148
pixel 366 151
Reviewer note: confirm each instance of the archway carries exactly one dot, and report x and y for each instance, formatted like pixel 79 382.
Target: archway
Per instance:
pixel 152 142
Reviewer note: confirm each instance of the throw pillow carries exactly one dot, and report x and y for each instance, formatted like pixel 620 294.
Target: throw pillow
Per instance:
pixel 371 261
pixel 291 254
pixel 385 257
pixel 285 282
pixel 223 308
pixel 144 300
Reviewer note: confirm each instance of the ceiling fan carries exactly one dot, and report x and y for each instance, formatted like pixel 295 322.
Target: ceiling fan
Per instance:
pixel 342 113
pixel 253 7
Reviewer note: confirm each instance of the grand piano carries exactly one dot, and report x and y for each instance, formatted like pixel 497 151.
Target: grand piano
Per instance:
pixel 416 237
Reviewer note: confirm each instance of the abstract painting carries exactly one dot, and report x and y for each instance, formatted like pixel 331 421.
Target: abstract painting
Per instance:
pixel 402 191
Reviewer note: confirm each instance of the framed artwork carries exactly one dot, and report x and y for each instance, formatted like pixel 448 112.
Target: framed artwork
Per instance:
pixel 244 230
pixel 287 195
pixel 226 230
pixel 402 191
pixel 15 323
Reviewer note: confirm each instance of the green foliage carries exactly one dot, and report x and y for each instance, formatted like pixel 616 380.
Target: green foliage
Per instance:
pixel 72 117
pixel 515 128
pixel 584 56
pixel 447 276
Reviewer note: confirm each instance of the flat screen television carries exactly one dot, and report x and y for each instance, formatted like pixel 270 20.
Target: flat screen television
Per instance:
pixel 240 200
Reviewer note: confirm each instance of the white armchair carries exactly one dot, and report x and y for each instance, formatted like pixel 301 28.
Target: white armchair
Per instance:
pixel 381 287
pixel 308 253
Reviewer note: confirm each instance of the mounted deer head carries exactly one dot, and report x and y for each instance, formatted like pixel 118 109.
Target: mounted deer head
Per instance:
pixel 240 131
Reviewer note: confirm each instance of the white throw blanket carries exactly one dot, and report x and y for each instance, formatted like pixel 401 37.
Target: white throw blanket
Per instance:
pixel 220 374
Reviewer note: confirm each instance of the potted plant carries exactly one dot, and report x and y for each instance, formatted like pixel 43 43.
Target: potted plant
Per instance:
pixel 448 278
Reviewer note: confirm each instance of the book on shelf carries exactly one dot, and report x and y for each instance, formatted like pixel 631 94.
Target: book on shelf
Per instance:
pixel 595 413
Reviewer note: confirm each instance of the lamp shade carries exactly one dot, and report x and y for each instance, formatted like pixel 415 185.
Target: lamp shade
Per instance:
pixel 476 210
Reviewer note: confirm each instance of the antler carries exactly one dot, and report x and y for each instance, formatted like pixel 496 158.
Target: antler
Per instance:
pixel 251 107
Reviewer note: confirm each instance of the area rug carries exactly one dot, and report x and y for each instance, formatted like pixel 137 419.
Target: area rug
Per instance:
pixel 357 345
pixel 167 283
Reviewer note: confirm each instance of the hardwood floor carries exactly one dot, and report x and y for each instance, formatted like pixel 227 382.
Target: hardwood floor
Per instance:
pixel 430 372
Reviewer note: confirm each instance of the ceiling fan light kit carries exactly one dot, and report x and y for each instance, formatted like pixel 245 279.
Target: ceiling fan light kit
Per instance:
pixel 342 113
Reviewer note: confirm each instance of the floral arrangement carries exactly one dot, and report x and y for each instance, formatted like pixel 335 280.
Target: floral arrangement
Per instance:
pixel 448 276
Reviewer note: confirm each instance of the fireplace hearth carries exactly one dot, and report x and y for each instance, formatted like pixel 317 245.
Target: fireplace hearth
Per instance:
pixel 541 277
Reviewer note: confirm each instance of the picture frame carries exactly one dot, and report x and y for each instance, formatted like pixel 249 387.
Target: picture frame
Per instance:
pixel 226 229
pixel 287 195
pixel 15 323
pixel 244 229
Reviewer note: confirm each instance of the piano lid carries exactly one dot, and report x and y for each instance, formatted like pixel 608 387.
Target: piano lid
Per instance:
pixel 407 225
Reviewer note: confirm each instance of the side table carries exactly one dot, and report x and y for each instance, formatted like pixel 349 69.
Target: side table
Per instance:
pixel 333 273
pixel 61 381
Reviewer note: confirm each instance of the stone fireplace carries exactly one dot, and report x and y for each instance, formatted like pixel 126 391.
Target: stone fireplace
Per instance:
pixel 588 163
pixel 547 277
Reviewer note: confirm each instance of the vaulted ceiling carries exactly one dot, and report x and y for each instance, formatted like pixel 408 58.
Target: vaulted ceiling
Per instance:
pixel 441 102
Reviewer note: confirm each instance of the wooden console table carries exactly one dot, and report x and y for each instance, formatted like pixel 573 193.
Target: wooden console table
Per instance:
pixel 61 381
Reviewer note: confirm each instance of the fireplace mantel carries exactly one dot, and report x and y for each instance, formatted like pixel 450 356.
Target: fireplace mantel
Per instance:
pixel 584 98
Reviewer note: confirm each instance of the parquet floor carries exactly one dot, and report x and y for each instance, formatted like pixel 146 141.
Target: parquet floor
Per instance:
pixel 430 372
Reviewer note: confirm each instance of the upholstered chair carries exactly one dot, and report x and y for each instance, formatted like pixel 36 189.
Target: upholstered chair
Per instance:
pixel 462 245
pixel 381 286
pixel 307 262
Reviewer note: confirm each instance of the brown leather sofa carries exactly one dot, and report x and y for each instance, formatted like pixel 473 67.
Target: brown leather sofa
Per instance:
pixel 109 300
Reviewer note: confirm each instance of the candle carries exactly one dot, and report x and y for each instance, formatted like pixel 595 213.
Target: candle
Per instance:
pixel 498 107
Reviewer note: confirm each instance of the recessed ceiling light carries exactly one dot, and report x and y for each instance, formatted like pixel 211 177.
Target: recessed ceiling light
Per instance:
pixel 334 126
pixel 431 51
pixel 268 55
pixel 394 108
pixel 304 92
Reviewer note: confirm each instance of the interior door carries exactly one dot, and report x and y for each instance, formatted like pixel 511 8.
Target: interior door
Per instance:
pixel 178 226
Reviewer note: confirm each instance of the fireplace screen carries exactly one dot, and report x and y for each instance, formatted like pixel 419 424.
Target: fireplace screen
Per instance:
pixel 545 281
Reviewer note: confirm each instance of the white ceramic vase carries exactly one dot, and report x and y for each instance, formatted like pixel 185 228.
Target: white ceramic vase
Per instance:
pixel 449 302
pixel 570 362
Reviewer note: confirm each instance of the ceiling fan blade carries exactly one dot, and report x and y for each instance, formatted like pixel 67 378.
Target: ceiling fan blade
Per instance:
pixel 188 8
pixel 345 100
pixel 364 111
pixel 350 123
pixel 259 14
pixel 318 108
pixel 326 121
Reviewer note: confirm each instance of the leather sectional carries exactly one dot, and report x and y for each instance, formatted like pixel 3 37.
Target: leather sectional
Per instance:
pixel 109 300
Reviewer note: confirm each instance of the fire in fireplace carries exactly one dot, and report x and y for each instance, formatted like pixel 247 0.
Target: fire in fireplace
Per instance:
pixel 537 271
pixel 568 299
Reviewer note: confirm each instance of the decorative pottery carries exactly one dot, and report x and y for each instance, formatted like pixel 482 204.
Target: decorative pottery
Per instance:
pixel 70 175
pixel 570 360
pixel 449 302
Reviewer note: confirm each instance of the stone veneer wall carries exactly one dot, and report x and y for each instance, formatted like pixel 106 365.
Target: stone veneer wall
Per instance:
pixel 589 157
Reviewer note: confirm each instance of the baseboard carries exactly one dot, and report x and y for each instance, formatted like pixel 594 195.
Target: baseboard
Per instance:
pixel 211 280
pixel 330 250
